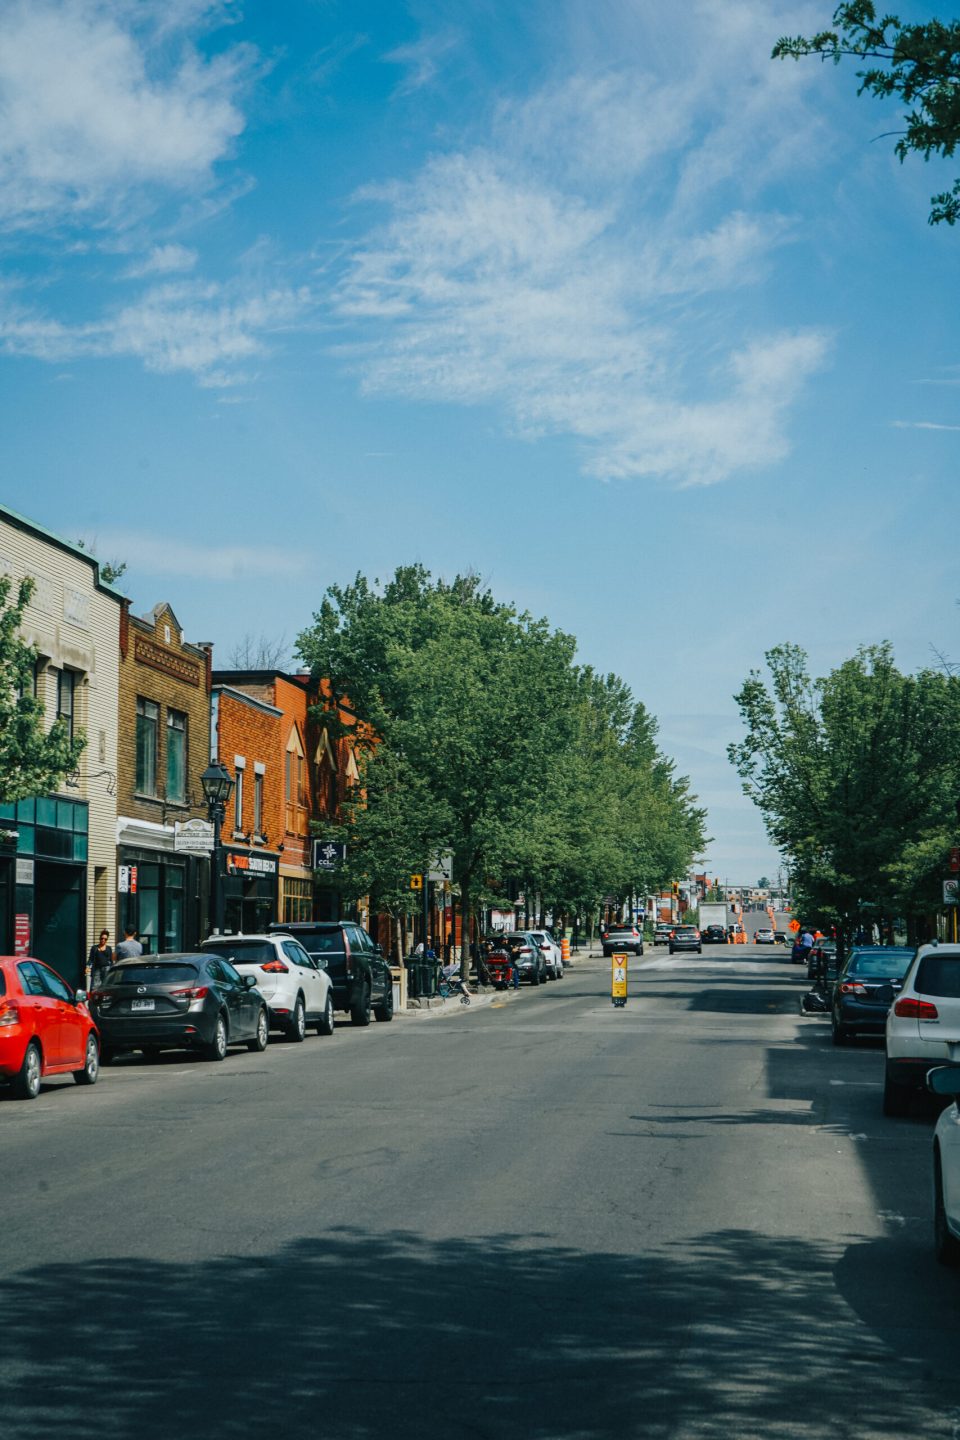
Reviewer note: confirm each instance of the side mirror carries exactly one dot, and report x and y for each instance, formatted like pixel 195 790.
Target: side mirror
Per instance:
pixel 249 982
pixel 80 997
pixel 378 949
pixel 944 1080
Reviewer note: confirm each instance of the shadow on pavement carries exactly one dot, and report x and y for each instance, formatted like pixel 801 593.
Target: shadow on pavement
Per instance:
pixel 359 1336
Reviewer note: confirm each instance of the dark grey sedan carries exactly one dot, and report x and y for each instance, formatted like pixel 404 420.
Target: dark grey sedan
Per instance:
pixel 177 1002
pixel 866 987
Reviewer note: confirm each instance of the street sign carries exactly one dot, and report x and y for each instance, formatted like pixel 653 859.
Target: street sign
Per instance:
pixel 328 855
pixel 794 926
pixel 21 935
pixel 950 888
pixel 127 879
pixel 955 859
pixel 618 980
pixel 416 882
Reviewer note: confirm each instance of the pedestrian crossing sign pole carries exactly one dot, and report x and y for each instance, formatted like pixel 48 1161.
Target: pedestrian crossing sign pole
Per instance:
pixel 618 980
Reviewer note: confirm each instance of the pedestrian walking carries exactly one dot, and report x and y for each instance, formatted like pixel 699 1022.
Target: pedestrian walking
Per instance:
pixel 100 959
pixel 129 946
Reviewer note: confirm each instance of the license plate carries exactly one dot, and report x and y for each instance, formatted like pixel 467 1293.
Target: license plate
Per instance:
pixel 143 1004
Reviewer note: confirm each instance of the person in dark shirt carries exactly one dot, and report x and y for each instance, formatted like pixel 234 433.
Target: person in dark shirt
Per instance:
pixel 100 959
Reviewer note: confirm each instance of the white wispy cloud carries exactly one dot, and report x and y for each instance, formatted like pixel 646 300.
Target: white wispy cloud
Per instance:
pixel 97 102
pixel 561 270
pixel 163 260
pixel 921 425
pixel 421 59
pixel 204 328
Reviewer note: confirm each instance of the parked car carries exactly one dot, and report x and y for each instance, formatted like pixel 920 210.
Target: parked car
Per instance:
pixel 828 950
pixel 297 990
pixel 661 933
pixel 714 935
pixel 179 1002
pixel 686 937
pixel 866 987
pixel 627 938
pixel 551 952
pixel 781 937
pixel 923 1024
pixel 526 954
pixel 361 979
pixel 942 1081
pixel 46 1028
pixel 764 936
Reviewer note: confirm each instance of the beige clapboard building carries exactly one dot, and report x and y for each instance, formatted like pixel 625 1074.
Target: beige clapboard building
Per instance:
pixel 58 853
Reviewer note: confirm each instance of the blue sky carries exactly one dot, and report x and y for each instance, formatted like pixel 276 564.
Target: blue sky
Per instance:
pixel 586 295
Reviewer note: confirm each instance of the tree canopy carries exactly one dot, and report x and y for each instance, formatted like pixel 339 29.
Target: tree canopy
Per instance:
pixel 919 63
pixel 856 775
pixel 488 741
pixel 32 761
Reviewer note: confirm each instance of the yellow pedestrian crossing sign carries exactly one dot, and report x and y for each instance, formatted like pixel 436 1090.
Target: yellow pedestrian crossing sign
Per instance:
pixel 618 979
pixel 416 882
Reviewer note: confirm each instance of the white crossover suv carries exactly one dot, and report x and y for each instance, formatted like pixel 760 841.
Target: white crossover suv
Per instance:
pixel 296 987
pixel 923 1024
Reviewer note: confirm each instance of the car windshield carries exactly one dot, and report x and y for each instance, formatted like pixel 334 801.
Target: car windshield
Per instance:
pixel 156 973
pixel 246 952
pixel 886 964
pixel 323 943
pixel 939 975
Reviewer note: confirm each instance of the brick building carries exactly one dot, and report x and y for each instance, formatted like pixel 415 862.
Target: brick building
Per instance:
pixel 246 738
pixel 58 852
pixel 163 748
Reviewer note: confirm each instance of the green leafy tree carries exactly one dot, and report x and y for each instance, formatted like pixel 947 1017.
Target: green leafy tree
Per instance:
pixel 856 776
pixel 919 63
pixel 32 761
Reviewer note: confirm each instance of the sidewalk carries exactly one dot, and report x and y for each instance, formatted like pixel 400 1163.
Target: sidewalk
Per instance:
pixel 434 1005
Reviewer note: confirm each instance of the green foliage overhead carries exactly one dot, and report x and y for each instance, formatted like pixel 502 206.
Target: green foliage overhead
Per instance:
pixel 919 63
pixel 32 761
pixel 487 740
pixel 856 776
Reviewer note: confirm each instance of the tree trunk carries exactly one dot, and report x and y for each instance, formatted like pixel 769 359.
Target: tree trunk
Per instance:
pixel 398 940
pixel 466 926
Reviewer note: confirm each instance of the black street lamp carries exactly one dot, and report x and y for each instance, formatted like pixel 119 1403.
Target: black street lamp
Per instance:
pixel 218 786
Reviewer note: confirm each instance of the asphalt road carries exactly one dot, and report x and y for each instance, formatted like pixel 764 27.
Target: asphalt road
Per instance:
pixel 545 1219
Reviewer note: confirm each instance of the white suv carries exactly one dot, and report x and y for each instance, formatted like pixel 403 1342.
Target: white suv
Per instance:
pixel 551 953
pixel 923 1025
pixel 295 987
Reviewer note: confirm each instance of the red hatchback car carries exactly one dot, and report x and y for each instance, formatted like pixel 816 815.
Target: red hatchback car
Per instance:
pixel 45 1028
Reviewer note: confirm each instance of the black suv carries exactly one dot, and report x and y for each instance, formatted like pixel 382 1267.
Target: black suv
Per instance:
pixel 361 978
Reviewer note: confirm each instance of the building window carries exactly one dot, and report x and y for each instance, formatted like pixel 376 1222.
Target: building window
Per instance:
pixel 258 803
pixel 238 797
pixel 176 755
pixel 297 900
pixel 295 785
pixel 148 727
pixel 66 691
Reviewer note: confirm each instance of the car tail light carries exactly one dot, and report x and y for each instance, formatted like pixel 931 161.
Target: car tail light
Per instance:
pixel 275 967
pixel 852 987
pixel 192 992
pixel 9 1013
pixel 910 1008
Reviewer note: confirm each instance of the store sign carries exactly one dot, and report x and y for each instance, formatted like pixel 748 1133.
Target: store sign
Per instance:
pixel 250 864
pixel 21 935
pixel 328 854
pixel 193 837
pixel 127 879
pixel 24 871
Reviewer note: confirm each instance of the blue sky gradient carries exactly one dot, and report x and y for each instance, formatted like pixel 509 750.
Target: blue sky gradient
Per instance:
pixel 589 296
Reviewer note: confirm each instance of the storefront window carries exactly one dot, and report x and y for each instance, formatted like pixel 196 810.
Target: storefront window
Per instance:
pixel 297 900
pixel 176 755
pixel 148 717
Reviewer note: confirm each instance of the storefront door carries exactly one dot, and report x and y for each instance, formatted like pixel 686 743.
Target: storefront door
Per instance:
pixel 58 924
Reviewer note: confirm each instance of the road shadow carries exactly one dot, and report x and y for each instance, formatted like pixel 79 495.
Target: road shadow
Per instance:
pixel 359 1336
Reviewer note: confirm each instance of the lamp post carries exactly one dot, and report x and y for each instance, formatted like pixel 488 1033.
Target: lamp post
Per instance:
pixel 217 788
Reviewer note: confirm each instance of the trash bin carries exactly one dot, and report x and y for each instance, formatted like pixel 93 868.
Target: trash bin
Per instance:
pixel 429 977
pixel 412 964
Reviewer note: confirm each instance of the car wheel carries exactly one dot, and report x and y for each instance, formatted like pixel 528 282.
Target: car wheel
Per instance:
pixel 325 1025
pixel 840 1036
pixel 107 1057
pixel 640 951
pixel 262 1036
pixel 217 1049
pixel 384 1011
pixel 91 1063
pixel 360 1010
pixel 297 1028
pixel 896 1098
pixel 946 1244
pixel 27 1083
